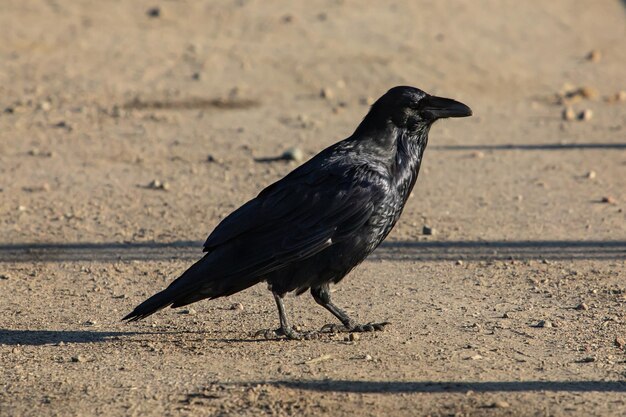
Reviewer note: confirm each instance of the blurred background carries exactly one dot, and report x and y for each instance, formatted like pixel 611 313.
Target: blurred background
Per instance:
pixel 103 100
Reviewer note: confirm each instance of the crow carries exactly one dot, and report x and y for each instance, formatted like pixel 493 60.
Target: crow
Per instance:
pixel 312 227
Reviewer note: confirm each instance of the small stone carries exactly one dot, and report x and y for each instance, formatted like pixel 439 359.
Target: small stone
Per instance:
pixel 608 200
pixel 354 337
pixel 327 93
pixel 620 342
pixel 544 324
pixel 154 12
pixel 45 106
pixel 211 158
pixel 367 101
pixel 617 97
pixel 588 92
pixel 368 357
pixel 476 357
pixel 582 306
pixel 21 208
pixel 189 311
pixel 591 175
pixel 78 358
pixel 428 231
pixel 477 154
pixel 568 114
pixel 236 306
pixel 594 55
pixel 288 18
pixel 293 154
pixel 15 350
pixel 4 276
pixel 159 185
pixel 63 125
pixel 499 404
pixel 459 262
pixel 588 359
pixel 90 323
pixel 506 316
pixel 585 115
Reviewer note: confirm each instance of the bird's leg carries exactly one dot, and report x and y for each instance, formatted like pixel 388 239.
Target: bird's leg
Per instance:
pixel 322 296
pixel 285 328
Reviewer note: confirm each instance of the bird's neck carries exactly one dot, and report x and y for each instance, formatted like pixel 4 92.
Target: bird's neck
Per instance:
pixel 405 166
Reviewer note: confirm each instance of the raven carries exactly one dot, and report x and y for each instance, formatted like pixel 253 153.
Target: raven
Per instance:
pixel 313 226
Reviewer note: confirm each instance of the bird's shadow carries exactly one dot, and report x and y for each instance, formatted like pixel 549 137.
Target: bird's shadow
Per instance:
pixel 53 337
pixel 401 387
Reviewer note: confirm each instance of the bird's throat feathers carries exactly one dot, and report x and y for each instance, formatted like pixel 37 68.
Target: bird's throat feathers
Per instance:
pixel 410 146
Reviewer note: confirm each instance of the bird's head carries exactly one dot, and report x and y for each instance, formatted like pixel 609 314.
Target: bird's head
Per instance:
pixel 412 109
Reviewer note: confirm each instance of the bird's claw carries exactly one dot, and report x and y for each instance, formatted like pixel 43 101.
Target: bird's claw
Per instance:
pixel 355 328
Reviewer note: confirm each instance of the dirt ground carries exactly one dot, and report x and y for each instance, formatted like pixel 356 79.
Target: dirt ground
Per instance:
pixel 515 306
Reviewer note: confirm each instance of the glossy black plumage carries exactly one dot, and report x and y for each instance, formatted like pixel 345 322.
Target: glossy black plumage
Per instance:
pixel 313 226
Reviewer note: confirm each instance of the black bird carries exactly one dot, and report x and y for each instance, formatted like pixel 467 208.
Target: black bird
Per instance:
pixel 313 226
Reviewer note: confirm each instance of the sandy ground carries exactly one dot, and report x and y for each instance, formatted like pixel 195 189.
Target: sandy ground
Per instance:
pixel 99 99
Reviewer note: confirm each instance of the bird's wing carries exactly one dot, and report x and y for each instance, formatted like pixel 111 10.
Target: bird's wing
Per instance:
pixel 291 220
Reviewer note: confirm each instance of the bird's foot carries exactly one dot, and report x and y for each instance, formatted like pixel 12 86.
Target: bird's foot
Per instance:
pixel 288 333
pixel 354 328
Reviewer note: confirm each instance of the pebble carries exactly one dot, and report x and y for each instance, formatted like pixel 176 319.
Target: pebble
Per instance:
pixel 588 359
pixel 428 231
pixel 154 12
pixel 608 199
pixel 90 323
pixel 367 101
pixel 588 92
pixel 459 262
pixel 477 154
pixel 585 115
pixel 327 93
pixel 620 96
pixel 354 337
pixel 544 324
pixel 591 175
pixel 79 358
pixel 38 152
pixel 582 306
pixel 293 154
pixel 158 185
pixel 620 342
pixel 594 55
pixel 4 276
pixel 506 316
pixel 189 311
pixel 499 404
pixel 368 357
pixel 236 306
pixel 568 114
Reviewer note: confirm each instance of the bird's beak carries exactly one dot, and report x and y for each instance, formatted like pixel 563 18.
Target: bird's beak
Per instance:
pixel 440 107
